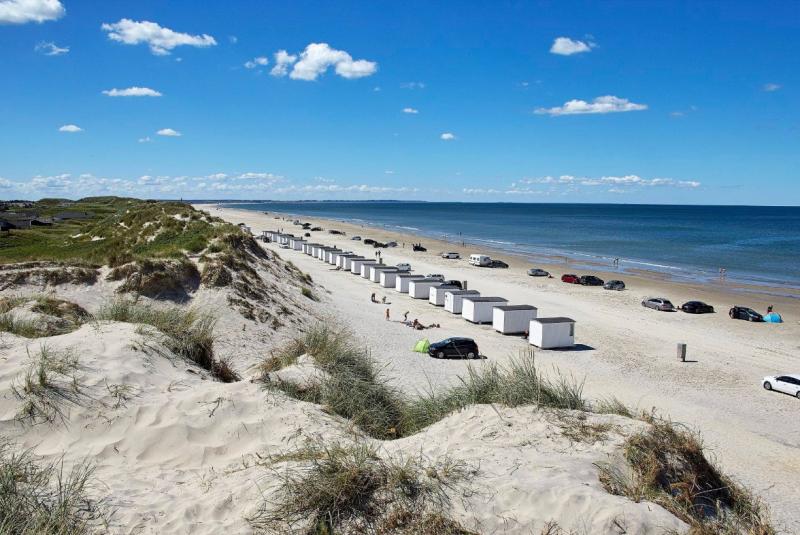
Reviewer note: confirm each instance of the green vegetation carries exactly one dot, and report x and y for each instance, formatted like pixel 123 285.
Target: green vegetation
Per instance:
pixel 50 381
pixel 667 466
pixel 122 230
pixel 351 489
pixel 308 293
pixel 185 332
pixel 42 498
pixel 59 316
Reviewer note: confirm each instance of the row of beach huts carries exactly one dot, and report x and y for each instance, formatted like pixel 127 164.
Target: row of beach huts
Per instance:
pixel 545 333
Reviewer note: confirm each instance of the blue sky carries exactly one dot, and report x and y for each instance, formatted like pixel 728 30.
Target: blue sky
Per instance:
pixel 652 102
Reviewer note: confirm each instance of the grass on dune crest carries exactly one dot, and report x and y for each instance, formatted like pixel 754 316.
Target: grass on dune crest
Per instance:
pixel 187 333
pixel 666 464
pixel 39 498
pixel 59 316
pixel 348 489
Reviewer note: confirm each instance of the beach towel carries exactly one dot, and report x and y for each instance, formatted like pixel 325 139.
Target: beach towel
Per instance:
pixel 773 317
pixel 422 346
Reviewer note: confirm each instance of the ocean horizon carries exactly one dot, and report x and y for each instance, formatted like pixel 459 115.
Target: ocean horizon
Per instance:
pixel 754 244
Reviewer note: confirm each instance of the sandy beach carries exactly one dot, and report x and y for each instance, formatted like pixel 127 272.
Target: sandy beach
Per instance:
pixel 624 350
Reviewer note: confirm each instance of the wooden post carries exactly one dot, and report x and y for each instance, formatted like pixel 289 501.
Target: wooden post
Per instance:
pixel 682 352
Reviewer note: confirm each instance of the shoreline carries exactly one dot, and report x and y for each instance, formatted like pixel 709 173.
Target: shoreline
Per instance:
pixel 735 293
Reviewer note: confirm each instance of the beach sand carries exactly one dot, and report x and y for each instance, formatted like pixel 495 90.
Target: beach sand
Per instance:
pixel 623 350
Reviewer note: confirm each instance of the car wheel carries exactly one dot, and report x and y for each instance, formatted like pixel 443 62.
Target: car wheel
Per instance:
pixel 798 394
pixel 730 313
pixel 751 318
pixel 470 355
pixel 440 355
pixel 767 385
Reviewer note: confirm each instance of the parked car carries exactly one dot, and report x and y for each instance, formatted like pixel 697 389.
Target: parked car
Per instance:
pixel 454 348
pixel 570 278
pixel 744 313
pixel 453 282
pixel 697 307
pixel 788 384
pixel 391 244
pixel 418 247
pixel 284 246
pixel 590 280
pixel 316 229
pixel 435 276
pixel 369 241
pixel 614 285
pixel 498 264
pixel 403 267
pixel 451 255
pixel 536 272
pixel 307 234
pixel 659 303
pixel 356 238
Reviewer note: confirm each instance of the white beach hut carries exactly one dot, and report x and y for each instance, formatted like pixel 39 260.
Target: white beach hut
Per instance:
pixel 479 309
pixel 513 319
pixel 347 261
pixel 330 254
pixel 403 280
pixel 421 288
pixel 388 279
pixel 436 293
pixel 365 267
pixel 547 333
pixel 322 252
pixel 340 262
pixel 333 257
pixel 356 263
pixel 454 299
pixel 297 244
pixel 376 270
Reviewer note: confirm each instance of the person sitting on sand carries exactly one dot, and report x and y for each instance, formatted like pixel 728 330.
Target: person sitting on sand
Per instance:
pixel 416 324
pixel 383 300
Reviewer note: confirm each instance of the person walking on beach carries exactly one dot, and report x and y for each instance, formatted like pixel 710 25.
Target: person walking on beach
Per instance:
pixel 387 315
pixel 372 298
pixel 405 317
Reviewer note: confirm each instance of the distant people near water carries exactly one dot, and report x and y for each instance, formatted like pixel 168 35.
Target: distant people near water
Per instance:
pixel 616 263
pixel 769 309
pixel 722 274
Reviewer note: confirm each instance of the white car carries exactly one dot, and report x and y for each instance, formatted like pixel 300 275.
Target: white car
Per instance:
pixel 451 255
pixel 438 276
pixel 788 384
pixel 403 267
pixel 356 238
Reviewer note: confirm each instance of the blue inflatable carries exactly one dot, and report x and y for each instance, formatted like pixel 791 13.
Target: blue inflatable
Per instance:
pixel 773 317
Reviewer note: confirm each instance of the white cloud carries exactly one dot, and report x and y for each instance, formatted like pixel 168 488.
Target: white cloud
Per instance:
pixel 160 40
pixel 169 132
pixel 259 61
pixel 317 58
pixel 564 46
pixel 233 39
pixel 5 183
pixel 23 11
pixel 132 92
pixel 50 49
pixel 413 85
pixel 71 128
pixel 410 110
pixel 447 136
pixel 145 139
pixel 769 88
pixel 283 60
pixel 618 181
pixel 604 104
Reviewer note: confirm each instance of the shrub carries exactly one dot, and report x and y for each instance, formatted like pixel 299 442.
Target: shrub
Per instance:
pixel 351 489
pixel 666 465
pixel 42 498
pixel 308 293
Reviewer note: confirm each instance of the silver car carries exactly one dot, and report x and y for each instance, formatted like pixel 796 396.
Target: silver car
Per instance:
pixel 536 272
pixel 659 303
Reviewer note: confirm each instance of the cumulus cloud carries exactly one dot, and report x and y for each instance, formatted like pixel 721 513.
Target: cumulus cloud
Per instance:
pixel 769 88
pixel 24 11
pixel 618 181
pixel 259 61
pixel 283 60
pixel 412 111
pixel 316 59
pixel 604 104
pixel 169 132
pixel 447 136
pixel 160 40
pixel 71 128
pixel 50 49
pixel 564 46
pixel 5 183
pixel 132 92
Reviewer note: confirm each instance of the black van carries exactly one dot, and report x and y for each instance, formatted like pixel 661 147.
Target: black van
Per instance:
pixel 454 348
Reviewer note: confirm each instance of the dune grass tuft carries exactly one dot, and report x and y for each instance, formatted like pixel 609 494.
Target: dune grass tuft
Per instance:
pixel 50 382
pixel 667 466
pixel 186 332
pixel 335 488
pixel 43 498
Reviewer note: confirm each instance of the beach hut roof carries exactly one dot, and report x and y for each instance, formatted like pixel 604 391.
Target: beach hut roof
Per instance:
pixel 516 307
pixel 464 292
pixel 485 299
pixel 554 320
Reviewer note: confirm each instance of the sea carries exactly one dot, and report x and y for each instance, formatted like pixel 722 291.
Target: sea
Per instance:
pixel 757 245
